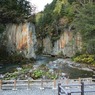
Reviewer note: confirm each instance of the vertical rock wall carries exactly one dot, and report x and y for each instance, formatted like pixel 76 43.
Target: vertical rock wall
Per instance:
pixel 68 44
pixel 21 38
pixel 47 45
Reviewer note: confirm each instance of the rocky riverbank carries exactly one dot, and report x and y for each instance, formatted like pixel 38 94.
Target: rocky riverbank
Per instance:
pixel 50 68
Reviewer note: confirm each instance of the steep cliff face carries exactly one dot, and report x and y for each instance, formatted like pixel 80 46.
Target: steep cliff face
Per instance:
pixel 47 45
pixel 21 38
pixel 67 45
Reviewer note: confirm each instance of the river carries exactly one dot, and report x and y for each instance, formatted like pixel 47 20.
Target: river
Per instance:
pixel 56 64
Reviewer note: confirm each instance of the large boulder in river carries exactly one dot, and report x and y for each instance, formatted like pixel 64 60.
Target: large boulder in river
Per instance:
pixel 21 38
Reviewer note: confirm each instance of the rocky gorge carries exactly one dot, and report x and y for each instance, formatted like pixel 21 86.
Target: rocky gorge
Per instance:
pixel 67 45
pixel 21 39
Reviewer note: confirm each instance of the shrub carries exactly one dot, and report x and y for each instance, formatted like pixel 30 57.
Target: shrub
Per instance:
pixel 85 58
pixel 39 50
pixel 37 74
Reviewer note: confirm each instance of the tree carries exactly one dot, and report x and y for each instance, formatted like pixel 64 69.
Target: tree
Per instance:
pixel 85 24
pixel 14 10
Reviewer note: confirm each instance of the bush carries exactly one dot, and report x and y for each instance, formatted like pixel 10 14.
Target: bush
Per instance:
pixel 51 76
pixel 85 58
pixel 37 74
pixel 3 52
pixel 39 50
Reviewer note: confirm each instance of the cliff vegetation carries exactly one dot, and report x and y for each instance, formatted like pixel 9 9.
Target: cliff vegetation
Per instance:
pixel 15 12
pixel 77 16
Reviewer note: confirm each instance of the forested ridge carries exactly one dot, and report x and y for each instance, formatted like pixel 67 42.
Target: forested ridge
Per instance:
pixel 73 15
pixel 77 16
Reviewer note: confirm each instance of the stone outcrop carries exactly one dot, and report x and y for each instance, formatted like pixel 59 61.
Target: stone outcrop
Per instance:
pixel 47 45
pixel 21 38
pixel 67 45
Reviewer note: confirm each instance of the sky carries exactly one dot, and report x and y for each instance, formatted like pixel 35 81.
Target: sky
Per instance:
pixel 40 4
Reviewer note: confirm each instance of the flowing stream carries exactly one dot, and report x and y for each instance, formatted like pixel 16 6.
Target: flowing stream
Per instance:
pixel 56 64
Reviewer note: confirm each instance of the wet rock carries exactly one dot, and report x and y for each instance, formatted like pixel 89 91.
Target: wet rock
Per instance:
pixel 30 71
pixel 18 68
pixel 1 76
pixel 35 67
pixel 86 69
pixel 51 70
pixel 63 74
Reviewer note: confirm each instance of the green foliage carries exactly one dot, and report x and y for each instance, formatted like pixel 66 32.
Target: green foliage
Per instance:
pixel 54 38
pixel 90 46
pixel 78 16
pixel 3 52
pixel 16 74
pixel 51 76
pixel 48 21
pixel 39 50
pixel 85 58
pixel 58 6
pixel 85 21
pixel 16 58
pixel 14 10
pixel 60 54
pixel 71 1
pixel 2 28
pixel 85 24
pixel 9 76
pixel 37 74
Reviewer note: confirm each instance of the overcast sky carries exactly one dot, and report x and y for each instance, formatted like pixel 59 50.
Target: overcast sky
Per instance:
pixel 40 4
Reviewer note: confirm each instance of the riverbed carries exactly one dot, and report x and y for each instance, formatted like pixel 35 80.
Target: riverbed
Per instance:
pixel 64 67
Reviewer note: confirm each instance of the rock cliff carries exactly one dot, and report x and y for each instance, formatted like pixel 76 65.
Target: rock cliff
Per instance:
pixel 68 44
pixel 21 38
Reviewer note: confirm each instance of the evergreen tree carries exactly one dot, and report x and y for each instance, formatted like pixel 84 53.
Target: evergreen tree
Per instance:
pixel 14 10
